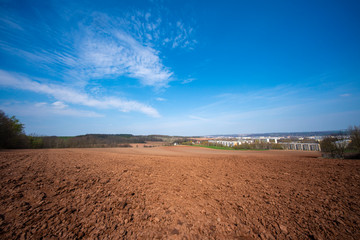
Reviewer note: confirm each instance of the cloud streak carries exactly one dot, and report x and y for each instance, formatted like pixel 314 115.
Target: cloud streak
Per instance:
pixel 45 109
pixel 109 52
pixel 68 95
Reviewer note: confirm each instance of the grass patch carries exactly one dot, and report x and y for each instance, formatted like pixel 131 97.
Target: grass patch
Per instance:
pixel 227 148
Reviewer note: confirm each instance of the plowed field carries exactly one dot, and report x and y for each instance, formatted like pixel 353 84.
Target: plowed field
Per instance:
pixel 177 193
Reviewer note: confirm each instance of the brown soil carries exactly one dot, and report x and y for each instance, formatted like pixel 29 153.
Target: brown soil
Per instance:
pixel 177 193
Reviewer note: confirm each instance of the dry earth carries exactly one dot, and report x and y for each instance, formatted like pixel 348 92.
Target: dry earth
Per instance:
pixel 177 193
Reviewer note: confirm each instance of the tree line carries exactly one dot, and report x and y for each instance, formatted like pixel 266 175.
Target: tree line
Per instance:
pixel 88 141
pixel 12 136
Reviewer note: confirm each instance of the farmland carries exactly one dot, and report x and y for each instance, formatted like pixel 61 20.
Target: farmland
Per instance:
pixel 177 192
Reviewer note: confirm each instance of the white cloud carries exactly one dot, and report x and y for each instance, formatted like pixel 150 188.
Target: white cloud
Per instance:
pixel 108 47
pixel 106 50
pixel 68 95
pixel 188 80
pixel 160 99
pixel 156 29
pixel 59 105
pixel 345 95
pixel 43 109
pixel 100 46
pixel 183 37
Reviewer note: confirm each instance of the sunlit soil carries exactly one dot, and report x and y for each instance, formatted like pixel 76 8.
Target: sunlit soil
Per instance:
pixel 177 192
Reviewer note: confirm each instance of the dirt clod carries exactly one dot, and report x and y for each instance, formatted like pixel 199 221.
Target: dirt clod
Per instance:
pixel 283 229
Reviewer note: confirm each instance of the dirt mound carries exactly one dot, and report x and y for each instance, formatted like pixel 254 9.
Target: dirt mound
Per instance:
pixel 177 192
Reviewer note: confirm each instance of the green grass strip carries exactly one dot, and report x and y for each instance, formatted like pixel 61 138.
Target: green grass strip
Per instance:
pixel 226 148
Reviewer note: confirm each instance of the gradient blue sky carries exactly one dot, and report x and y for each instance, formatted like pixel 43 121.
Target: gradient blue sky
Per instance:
pixel 180 67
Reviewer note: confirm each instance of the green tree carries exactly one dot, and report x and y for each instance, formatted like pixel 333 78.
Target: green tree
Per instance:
pixel 11 132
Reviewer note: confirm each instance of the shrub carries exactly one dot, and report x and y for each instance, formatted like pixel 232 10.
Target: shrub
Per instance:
pixel 187 143
pixel 333 147
pixel 355 138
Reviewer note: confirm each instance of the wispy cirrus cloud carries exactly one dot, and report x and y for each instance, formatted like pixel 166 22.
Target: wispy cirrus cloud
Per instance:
pixel 68 95
pixel 130 46
pixel 188 80
pixel 8 21
pixel 183 37
pixel 40 109
pixel 107 51
pixel 44 109
pixel 103 49
pixel 154 28
pixel 100 46
pixel 91 48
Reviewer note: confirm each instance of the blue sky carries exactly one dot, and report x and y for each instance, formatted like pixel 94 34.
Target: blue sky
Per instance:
pixel 180 67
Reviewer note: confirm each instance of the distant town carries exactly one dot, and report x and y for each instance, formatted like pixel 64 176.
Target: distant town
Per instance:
pixel 305 141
